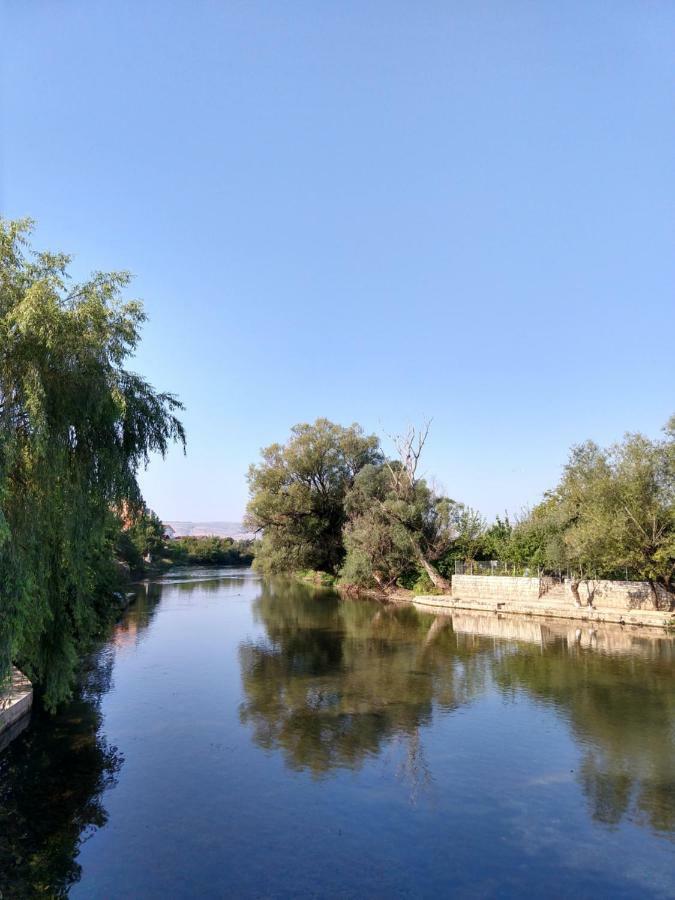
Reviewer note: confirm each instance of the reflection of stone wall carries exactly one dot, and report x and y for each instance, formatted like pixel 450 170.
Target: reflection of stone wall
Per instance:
pixel 610 639
pixel 608 595
pixel 495 626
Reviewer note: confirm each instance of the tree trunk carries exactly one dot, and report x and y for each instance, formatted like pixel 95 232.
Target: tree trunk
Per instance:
pixel 438 625
pixel 667 585
pixel 574 587
pixel 670 590
pixel 440 583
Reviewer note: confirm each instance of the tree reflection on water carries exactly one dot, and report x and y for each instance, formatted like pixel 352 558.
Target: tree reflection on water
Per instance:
pixel 51 785
pixel 620 708
pixel 334 681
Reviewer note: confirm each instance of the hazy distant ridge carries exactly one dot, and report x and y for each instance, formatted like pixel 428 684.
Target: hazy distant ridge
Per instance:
pixel 209 529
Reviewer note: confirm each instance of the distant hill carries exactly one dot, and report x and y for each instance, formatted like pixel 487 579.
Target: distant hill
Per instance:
pixel 210 529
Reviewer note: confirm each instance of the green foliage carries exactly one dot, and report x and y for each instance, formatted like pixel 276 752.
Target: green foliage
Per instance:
pixel 617 507
pixel 143 546
pixel 297 495
pixel 320 579
pixel 378 546
pixel 534 541
pixel 209 551
pixel 143 541
pixel 469 537
pixel 612 513
pixel 75 426
pixel 424 585
pixel 399 528
pixel 496 538
pixel 379 525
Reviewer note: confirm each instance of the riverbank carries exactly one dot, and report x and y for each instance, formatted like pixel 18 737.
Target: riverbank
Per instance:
pixel 602 637
pixel 444 603
pixel 16 701
pixel 614 602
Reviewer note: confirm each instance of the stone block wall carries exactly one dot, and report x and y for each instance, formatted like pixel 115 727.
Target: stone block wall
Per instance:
pixel 15 700
pixel 623 595
pixel 609 595
pixel 500 588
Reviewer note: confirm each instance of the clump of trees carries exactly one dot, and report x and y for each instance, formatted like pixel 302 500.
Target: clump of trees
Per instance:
pixel 331 500
pixel 143 546
pixel 612 515
pixel 397 525
pixel 613 511
pixel 209 551
pixel 75 427
pixel 298 493
pixel 141 540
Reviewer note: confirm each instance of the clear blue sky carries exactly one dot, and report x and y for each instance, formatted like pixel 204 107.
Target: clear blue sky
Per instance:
pixel 371 211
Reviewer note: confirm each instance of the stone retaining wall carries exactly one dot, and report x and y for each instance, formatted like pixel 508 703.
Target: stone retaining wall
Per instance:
pixel 610 595
pixel 500 588
pixel 15 702
pixel 622 595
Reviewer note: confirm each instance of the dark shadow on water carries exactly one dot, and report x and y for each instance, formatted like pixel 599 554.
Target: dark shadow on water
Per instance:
pixel 54 775
pixel 51 783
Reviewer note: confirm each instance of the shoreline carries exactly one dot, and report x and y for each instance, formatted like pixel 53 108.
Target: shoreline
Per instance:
pixel 643 618
pixel 441 604
pixel 15 706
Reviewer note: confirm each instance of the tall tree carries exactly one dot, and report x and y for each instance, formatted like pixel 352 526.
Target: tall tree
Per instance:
pixel 297 495
pixel 617 509
pixel 75 426
pixel 397 521
pixel 379 549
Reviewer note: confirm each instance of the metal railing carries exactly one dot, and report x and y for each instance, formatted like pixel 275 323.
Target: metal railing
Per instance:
pixel 495 567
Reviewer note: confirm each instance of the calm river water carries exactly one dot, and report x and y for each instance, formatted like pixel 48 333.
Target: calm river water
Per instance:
pixel 247 738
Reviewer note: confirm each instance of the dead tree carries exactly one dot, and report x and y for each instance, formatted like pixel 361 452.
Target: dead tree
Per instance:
pixel 404 479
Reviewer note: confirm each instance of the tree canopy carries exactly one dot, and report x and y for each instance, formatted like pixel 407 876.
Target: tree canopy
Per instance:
pixel 617 509
pixel 75 426
pixel 396 525
pixel 297 495
pixel 377 523
pixel 611 515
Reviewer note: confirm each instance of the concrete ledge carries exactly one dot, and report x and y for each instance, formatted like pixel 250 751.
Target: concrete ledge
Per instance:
pixel 15 703
pixel 650 618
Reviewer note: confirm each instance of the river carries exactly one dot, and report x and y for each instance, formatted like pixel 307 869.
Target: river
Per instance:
pixel 239 737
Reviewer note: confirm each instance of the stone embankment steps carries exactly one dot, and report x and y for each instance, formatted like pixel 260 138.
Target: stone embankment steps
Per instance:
pixel 613 602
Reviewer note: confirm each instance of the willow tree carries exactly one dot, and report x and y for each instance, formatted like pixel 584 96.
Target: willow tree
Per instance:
pixel 297 495
pixel 75 427
pixel 397 522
